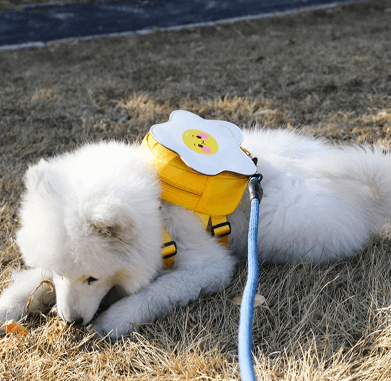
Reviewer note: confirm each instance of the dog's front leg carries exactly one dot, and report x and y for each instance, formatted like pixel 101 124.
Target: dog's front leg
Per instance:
pixel 13 301
pixel 206 268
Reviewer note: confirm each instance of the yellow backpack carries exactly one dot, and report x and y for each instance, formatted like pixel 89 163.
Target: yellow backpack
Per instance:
pixel 211 197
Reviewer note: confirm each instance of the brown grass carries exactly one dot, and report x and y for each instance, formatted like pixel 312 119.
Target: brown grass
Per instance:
pixel 327 71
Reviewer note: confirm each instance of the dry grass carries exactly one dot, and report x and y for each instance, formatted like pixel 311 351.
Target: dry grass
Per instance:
pixel 328 72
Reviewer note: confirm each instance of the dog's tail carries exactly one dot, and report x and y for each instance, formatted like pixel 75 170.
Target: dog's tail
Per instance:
pixel 365 174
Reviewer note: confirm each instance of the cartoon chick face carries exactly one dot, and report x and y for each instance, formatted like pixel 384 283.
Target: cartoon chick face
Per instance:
pixel 200 142
pixel 207 146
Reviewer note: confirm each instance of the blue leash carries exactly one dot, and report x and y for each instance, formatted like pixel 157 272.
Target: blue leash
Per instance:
pixel 247 306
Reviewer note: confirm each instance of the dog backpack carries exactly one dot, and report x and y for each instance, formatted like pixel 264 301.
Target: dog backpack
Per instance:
pixel 201 167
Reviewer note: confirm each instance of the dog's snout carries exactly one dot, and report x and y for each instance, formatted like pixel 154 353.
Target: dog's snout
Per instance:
pixel 78 321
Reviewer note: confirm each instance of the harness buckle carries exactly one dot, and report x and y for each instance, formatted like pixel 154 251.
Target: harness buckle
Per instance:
pixel 169 249
pixel 221 230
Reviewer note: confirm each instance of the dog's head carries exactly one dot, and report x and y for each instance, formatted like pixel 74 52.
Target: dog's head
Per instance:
pixel 91 218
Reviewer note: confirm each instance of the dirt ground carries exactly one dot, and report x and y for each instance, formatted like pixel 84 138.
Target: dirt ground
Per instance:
pixel 327 71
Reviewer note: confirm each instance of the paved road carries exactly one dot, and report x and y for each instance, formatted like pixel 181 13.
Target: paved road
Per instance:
pixel 41 24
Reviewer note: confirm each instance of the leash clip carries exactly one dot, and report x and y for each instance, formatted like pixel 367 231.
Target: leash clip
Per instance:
pixel 254 184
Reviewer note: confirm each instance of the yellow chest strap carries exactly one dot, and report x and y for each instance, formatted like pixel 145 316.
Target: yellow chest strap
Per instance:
pixel 169 249
pixel 218 226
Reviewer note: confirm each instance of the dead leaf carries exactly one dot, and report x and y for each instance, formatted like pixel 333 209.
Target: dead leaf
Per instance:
pixel 14 327
pixel 258 300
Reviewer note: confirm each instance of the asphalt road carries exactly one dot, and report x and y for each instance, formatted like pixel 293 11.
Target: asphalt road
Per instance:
pixel 37 25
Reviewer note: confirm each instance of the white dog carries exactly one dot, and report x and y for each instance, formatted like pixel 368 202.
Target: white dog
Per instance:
pixel 91 222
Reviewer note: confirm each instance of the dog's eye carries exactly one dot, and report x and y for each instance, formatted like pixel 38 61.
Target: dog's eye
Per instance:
pixel 91 279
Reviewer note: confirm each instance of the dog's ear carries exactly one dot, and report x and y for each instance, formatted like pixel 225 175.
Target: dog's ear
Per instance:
pixel 43 179
pixel 106 231
pixel 120 228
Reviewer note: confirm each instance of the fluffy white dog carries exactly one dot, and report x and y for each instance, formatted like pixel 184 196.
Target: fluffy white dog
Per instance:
pixel 91 222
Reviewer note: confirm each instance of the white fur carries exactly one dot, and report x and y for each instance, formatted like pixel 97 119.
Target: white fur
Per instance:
pixel 92 223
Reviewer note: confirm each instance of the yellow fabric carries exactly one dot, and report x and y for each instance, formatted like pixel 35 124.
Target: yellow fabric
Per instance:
pixel 224 230
pixel 217 195
pixel 210 221
pixel 211 197
pixel 168 249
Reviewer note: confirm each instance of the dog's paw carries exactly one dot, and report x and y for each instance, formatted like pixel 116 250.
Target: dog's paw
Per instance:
pixel 123 317
pixel 9 313
pixel 12 312
pixel 109 323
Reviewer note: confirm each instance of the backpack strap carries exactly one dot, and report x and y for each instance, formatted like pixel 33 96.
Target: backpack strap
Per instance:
pixel 169 249
pixel 218 226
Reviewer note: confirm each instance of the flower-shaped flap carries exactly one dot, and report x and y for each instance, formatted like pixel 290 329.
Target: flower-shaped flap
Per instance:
pixel 207 146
